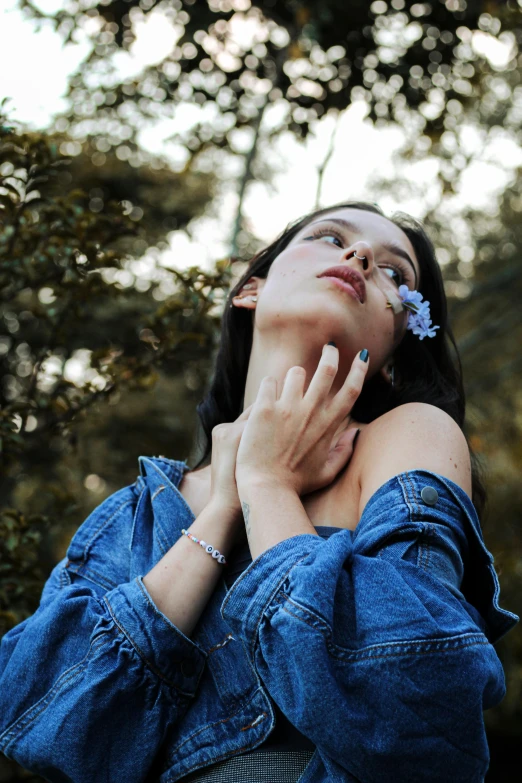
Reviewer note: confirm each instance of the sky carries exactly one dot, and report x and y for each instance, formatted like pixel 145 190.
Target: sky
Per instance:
pixel 360 151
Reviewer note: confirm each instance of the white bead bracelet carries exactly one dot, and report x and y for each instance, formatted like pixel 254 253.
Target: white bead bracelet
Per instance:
pixel 207 547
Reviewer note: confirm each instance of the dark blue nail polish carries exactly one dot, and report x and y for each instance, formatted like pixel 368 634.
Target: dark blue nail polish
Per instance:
pixel 363 356
pixel 332 343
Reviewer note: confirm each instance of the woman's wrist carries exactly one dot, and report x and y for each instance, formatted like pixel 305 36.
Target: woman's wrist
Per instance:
pixel 232 519
pixel 226 521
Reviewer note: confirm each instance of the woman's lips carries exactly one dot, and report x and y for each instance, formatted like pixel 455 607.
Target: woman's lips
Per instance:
pixel 346 287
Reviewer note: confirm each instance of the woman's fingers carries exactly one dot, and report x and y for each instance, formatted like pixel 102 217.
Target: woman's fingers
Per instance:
pixel 319 387
pixel 349 392
pixel 324 376
pixel 245 414
pixel 267 392
pixel 293 386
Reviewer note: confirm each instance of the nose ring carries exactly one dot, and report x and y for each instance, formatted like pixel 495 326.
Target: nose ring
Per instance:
pixel 361 258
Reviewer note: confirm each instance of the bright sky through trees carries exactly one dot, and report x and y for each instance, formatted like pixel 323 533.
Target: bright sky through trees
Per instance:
pixel 34 67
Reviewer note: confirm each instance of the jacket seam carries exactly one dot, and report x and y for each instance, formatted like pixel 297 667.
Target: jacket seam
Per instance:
pixel 479 639
pixel 418 509
pixel 85 551
pixel 318 619
pixel 142 655
pixel 270 599
pixel 424 553
pixel 32 713
pixel 65 577
pixel 424 550
pixel 163 543
pixel 141 500
pixel 171 465
pixel 431 533
pixel 158 490
pixel 254 645
pixel 404 480
pixel 161 475
pixel 425 543
pixel 459 641
pixel 176 749
pixel 85 570
pixel 166 622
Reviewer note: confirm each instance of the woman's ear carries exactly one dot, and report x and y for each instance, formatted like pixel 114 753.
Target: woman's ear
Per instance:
pixel 248 294
pixel 388 372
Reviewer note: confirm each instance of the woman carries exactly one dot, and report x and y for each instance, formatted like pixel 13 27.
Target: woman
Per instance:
pixel 342 628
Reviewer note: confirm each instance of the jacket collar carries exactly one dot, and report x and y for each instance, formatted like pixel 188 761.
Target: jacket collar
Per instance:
pixel 162 477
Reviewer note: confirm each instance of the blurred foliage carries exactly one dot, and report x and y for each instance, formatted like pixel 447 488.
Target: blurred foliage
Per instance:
pixel 311 54
pixel 251 70
pixel 484 284
pixel 71 335
pixel 21 574
pixel 151 194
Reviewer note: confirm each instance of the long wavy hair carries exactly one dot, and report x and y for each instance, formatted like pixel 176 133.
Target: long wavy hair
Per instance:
pixel 426 370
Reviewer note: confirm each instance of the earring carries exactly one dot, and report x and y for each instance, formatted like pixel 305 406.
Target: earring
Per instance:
pixel 392 376
pixel 252 298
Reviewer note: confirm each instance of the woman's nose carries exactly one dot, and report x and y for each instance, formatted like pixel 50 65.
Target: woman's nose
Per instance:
pixel 362 252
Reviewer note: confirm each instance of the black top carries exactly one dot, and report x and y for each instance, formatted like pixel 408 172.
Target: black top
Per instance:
pixel 285 735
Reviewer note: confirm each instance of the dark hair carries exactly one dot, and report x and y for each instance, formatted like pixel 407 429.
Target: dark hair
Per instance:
pixel 425 370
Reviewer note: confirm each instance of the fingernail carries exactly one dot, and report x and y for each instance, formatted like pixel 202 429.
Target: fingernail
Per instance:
pixel 363 356
pixel 332 343
pixel 355 438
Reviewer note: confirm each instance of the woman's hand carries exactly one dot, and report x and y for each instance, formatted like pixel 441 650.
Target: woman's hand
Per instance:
pixel 225 443
pixel 288 441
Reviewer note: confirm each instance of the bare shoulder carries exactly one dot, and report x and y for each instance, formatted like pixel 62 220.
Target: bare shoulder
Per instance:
pixel 413 436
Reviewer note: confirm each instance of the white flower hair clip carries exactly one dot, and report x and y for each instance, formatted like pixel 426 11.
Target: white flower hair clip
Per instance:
pixel 419 320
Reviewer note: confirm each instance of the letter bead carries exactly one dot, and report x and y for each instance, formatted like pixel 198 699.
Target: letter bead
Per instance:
pixel 216 554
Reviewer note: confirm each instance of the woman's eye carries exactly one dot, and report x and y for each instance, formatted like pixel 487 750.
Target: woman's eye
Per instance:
pixel 326 235
pixel 332 236
pixel 394 271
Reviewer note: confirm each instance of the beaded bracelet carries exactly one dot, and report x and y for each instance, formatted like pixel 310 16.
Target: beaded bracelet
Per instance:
pixel 207 547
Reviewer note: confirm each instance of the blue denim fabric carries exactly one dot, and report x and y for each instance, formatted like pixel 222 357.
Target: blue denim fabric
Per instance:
pixel 377 644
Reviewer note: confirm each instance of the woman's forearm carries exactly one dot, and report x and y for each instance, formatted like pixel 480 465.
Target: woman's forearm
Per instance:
pixel 272 513
pixel 182 582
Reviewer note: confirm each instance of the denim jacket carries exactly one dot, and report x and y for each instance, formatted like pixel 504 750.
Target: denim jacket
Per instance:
pixel 377 644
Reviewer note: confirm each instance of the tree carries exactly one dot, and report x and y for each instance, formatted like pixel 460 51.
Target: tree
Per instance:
pixel 62 305
pixel 257 69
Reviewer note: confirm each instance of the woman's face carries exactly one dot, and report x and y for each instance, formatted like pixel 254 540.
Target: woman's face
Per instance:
pixel 298 300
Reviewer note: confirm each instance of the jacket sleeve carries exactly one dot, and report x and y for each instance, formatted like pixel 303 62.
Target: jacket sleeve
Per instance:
pixel 367 643
pixel 91 682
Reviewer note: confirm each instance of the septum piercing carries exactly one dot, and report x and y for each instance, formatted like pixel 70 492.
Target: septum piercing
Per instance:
pixel 361 258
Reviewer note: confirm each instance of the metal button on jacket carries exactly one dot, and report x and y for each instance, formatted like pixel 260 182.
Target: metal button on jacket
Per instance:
pixel 429 495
